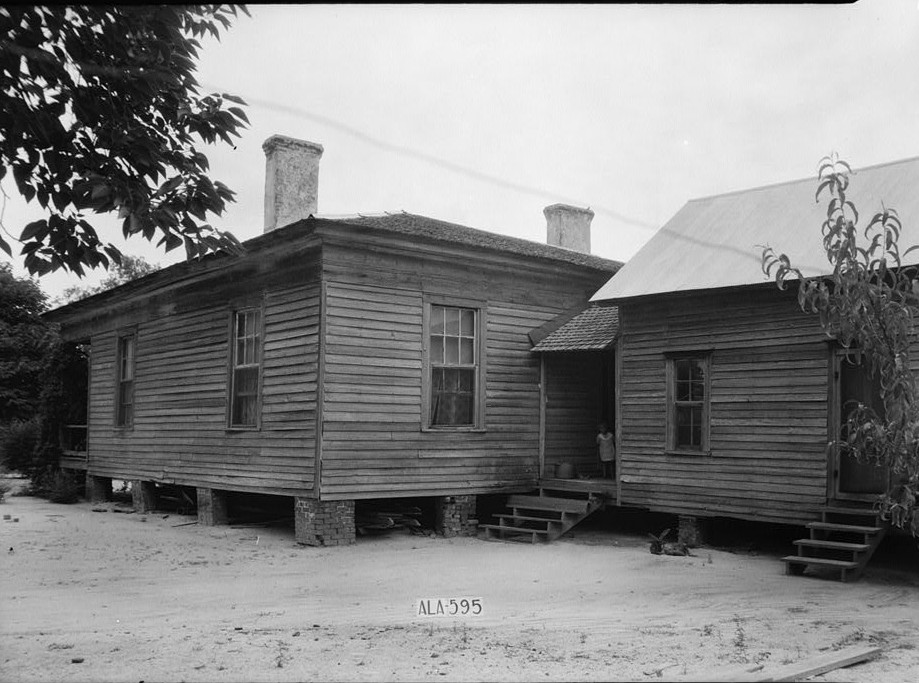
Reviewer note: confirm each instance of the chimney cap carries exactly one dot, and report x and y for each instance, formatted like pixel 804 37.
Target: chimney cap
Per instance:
pixel 567 208
pixel 284 141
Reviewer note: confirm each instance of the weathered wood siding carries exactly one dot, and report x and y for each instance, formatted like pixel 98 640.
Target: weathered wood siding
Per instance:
pixel 373 443
pixel 572 411
pixel 769 375
pixel 180 396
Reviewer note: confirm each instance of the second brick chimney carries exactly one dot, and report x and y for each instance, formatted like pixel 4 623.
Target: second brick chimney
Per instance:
pixel 291 180
pixel 568 227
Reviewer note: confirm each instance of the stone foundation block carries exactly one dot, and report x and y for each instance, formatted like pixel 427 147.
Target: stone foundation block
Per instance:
pixel 455 516
pixel 98 489
pixel 691 531
pixel 212 507
pixel 323 522
pixel 143 494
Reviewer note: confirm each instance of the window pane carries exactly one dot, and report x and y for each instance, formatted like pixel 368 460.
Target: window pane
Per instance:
pixel 467 351
pixel 246 381
pixel 245 396
pixel 437 320
pixel 682 391
pixel 467 323
pixel 698 371
pixel 451 350
pixel 452 402
pixel 437 350
pixel 697 391
pixel 689 426
pixel 451 321
pixel 682 371
pixel 465 380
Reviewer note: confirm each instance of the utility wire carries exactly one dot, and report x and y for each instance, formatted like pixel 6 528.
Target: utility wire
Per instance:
pixel 436 161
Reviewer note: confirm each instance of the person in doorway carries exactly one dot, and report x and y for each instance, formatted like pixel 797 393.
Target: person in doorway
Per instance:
pixel 606 444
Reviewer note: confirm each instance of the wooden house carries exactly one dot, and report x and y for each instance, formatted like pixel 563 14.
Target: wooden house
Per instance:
pixel 727 393
pixel 339 359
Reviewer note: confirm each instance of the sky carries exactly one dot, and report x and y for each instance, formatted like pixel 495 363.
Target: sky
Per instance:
pixel 484 114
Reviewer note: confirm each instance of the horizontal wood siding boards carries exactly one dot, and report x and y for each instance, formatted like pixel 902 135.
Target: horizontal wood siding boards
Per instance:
pixel 768 407
pixel 179 433
pixel 373 441
pixel 572 400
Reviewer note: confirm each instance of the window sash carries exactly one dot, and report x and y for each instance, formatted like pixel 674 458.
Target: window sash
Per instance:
pixel 245 368
pixel 688 398
pixel 454 366
pixel 124 400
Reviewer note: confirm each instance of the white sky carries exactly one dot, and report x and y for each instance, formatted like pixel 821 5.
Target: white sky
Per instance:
pixel 632 110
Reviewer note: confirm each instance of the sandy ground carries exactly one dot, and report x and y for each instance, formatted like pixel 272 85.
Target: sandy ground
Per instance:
pixel 101 596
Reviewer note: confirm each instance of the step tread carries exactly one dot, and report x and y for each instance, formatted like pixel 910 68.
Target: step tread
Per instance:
pixel 515 529
pixel 832 545
pixel 526 518
pixel 855 512
pixel 833 526
pixel 820 561
pixel 547 503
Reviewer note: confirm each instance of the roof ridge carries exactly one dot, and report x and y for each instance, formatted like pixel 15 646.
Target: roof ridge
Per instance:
pixel 767 186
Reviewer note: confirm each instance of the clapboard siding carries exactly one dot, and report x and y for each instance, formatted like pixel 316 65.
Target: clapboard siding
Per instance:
pixel 374 444
pixel 768 406
pixel 181 373
pixel 572 409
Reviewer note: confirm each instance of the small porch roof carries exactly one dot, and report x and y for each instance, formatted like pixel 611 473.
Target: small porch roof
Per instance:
pixel 593 329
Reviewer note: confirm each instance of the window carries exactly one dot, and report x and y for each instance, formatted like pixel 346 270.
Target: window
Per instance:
pixel 454 366
pixel 688 403
pixel 245 368
pixel 124 399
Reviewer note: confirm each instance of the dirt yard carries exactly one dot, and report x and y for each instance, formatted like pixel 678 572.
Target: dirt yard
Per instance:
pixel 102 596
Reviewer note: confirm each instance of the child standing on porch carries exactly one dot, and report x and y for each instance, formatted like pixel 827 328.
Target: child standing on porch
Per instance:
pixel 606 444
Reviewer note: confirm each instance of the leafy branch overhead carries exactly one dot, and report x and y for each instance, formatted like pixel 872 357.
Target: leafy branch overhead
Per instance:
pixel 868 303
pixel 102 114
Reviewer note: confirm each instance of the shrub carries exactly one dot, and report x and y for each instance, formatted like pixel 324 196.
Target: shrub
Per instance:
pixel 64 488
pixel 18 441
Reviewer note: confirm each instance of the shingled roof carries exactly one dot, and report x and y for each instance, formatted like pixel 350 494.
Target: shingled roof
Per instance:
pixel 432 228
pixel 398 223
pixel 593 329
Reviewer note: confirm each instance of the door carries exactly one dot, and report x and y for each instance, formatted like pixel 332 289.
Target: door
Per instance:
pixel 853 384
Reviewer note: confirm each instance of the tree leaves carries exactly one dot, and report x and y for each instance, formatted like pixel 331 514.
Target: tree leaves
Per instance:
pixel 102 114
pixel 868 304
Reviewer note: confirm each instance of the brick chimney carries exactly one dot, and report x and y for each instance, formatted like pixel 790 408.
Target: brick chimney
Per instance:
pixel 291 180
pixel 568 227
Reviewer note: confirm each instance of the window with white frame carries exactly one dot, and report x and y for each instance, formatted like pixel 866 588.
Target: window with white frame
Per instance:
pixel 688 402
pixel 245 368
pixel 124 399
pixel 454 366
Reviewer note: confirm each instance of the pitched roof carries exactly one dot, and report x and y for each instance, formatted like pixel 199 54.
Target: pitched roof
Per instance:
pixel 411 225
pixel 713 242
pixel 432 228
pixel 593 329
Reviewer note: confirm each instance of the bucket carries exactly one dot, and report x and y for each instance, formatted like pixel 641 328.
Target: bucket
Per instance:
pixel 565 470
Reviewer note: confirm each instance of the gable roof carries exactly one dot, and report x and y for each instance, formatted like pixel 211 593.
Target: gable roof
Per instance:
pixel 405 224
pixel 593 329
pixel 712 242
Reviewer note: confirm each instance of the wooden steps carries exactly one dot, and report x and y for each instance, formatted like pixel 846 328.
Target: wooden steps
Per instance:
pixel 544 516
pixel 844 541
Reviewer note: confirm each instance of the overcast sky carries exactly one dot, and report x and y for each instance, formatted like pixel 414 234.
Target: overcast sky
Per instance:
pixel 483 115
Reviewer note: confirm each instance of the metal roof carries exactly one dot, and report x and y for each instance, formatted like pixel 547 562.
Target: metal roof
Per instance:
pixel 717 241
pixel 593 329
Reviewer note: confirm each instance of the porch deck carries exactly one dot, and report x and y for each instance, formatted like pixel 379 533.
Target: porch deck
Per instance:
pixel 606 488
